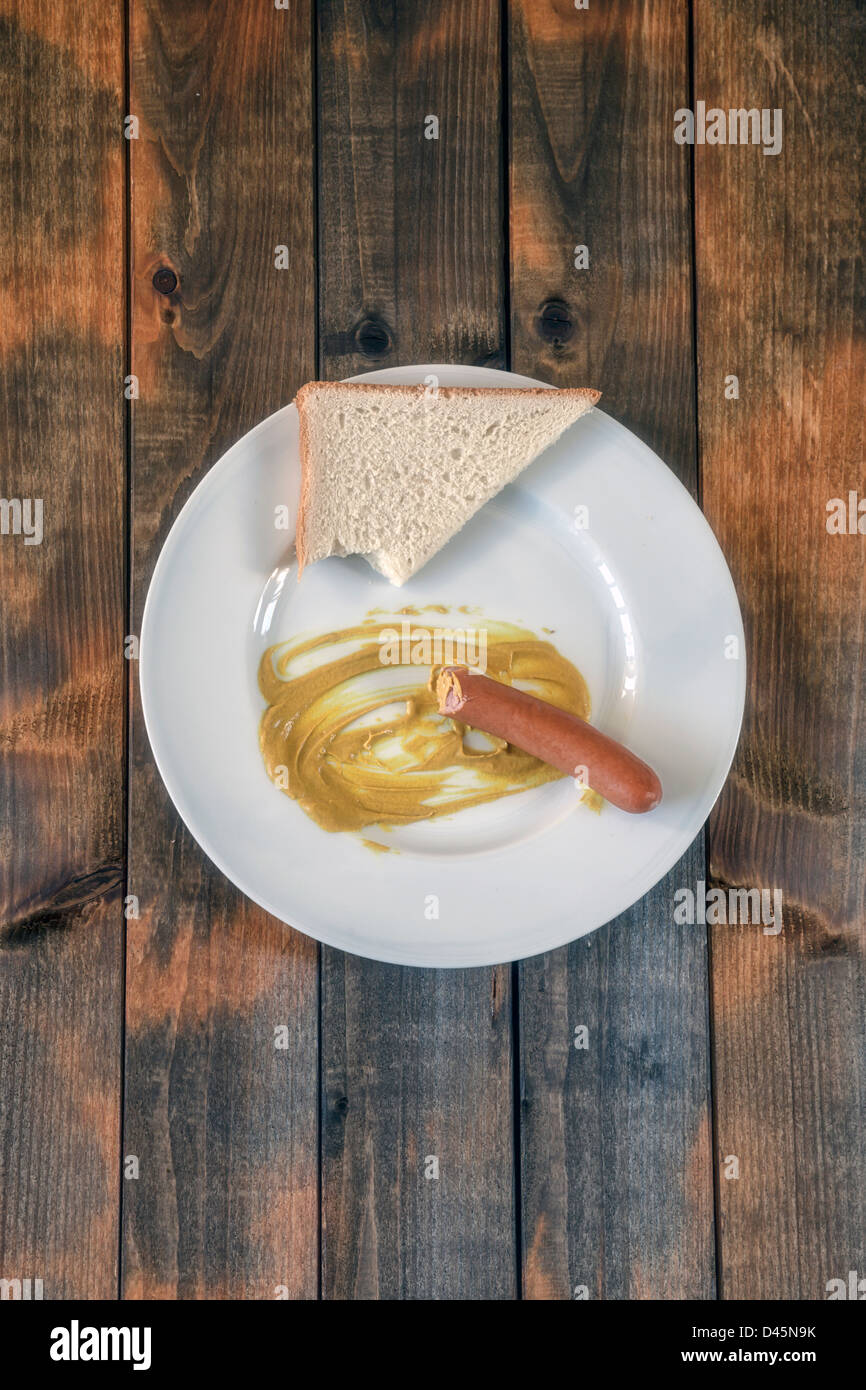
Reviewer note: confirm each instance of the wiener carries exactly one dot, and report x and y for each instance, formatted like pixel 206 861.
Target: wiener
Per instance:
pixel 554 735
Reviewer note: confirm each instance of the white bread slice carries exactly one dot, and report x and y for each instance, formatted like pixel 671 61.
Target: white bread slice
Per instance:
pixel 393 472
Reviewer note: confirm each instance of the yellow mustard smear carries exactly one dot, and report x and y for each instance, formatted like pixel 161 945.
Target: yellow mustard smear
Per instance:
pixel 356 745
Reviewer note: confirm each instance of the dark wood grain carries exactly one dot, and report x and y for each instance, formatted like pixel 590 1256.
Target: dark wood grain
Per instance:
pixel 781 305
pixel 615 1139
pixel 416 1066
pixel 223 1124
pixel 61 646
pixel 410 230
pixel 415 1063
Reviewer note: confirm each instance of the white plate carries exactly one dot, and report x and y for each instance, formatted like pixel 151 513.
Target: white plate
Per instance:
pixel 641 601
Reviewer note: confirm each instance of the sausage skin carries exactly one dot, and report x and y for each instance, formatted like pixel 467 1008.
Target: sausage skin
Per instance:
pixel 564 740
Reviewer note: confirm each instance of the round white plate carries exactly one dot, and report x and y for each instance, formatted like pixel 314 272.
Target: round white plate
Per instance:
pixel 598 541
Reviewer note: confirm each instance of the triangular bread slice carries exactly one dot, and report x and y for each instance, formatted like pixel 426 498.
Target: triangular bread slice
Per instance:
pixel 393 472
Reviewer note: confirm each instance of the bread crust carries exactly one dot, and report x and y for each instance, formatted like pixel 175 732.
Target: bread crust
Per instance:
pixel 383 389
pixel 306 483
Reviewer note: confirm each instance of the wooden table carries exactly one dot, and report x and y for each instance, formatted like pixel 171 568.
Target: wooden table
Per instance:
pixel 708 1142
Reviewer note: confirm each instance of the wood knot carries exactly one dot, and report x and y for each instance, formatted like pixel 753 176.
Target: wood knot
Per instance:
pixel 164 280
pixel 372 338
pixel 554 322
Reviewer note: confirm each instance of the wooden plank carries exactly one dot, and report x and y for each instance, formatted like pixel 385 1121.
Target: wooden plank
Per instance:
pixel 781 306
pixel 61 645
pixel 224 1126
pixel 415 1063
pixel 416 1066
pixel 411 228
pixel 615 1139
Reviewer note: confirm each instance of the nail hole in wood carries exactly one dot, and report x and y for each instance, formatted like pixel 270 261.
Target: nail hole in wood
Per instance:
pixel 165 280
pixel 554 322
pixel 373 338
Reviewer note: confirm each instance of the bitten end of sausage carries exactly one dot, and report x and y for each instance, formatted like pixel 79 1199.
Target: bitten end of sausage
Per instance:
pixel 449 692
pixel 554 735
